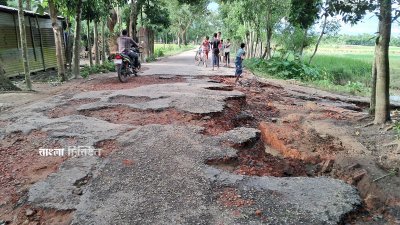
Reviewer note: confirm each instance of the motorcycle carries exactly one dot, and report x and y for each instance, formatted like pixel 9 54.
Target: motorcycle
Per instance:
pixel 124 65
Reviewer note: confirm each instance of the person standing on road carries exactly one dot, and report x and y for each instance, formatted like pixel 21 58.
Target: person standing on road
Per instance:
pixel 227 51
pixel 215 51
pixel 221 51
pixel 206 48
pixel 238 62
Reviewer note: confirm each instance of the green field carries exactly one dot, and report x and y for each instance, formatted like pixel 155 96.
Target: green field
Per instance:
pixel 343 69
pixel 357 62
pixel 170 49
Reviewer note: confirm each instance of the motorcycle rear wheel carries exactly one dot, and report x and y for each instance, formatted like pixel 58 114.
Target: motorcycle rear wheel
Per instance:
pixel 123 72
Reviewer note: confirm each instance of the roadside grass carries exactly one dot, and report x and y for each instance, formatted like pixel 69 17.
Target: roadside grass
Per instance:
pixel 343 69
pixel 364 54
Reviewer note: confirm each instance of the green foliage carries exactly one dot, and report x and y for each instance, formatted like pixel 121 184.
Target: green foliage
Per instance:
pixel 158 53
pixel 87 70
pixel 343 70
pixel 334 73
pixel 289 39
pixel 151 58
pixel 304 13
pixel 154 14
pixel 396 128
pixel 286 69
pixel 355 87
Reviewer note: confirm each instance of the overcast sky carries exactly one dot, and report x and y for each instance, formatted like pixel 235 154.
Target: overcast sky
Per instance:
pixel 368 25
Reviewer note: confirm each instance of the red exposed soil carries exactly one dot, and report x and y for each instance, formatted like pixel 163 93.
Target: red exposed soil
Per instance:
pixel 107 147
pixel 35 216
pixel 230 198
pixel 21 166
pixel 69 108
pixel 112 83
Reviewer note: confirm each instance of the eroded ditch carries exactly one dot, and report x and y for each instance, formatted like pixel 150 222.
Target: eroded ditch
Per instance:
pixel 293 148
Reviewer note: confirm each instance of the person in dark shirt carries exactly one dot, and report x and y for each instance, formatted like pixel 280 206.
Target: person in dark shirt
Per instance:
pixel 215 50
pixel 124 46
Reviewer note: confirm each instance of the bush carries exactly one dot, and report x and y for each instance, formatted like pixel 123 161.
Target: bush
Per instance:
pixel 158 53
pixel 151 58
pixel 107 67
pixel 286 69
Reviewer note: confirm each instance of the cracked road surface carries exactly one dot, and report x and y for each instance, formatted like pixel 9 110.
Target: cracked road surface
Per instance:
pixel 159 173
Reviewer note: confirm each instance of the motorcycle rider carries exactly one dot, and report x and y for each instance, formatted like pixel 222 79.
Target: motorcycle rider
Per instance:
pixel 124 46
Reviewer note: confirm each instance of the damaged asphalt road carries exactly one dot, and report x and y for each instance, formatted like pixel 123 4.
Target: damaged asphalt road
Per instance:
pixel 160 175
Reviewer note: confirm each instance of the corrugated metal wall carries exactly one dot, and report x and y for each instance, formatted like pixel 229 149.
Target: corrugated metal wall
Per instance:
pixel 40 41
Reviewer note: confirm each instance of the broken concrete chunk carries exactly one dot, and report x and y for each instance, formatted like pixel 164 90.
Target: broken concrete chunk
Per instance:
pixel 58 191
pixel 241 135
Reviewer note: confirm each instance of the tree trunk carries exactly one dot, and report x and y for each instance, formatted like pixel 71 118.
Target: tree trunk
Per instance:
pixel 96 43
pixel 133 20
pixel 68 48
pixel 268 44
pixel 77 40
pixel 319 39
pixel 89 45
pixel 28 5
pixel 58 39
pixel 103 43
pixel 22 32
pixel 184 41
pixel 382 107
pixel 112 20
pixel 373 89
pixel 251 44
pixel 302 43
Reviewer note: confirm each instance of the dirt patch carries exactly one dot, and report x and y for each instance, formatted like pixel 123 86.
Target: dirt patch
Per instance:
pixel 21 166
pixel 34 216
pixel 128 99
pixel 125 115
pixel 112 83
pixel 107 147
pixel 69 108
pixel 254 161
pixel 231 198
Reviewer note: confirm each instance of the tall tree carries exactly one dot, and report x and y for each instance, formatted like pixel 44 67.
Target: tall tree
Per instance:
pixel 103 42
pixel 382 104
pixel 133 19
pixel 28 5
pixel 58 41
pixel 96 43
pixel 89 43
pixel 24 49
pixel 77 41
pixel 304 13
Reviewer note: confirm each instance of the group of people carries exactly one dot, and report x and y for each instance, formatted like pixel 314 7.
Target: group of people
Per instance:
pixel 220 51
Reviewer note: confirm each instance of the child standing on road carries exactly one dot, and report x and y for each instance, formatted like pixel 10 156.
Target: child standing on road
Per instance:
pixel 206 48
pixel 227 52
pixel 221 50
pixel 238 62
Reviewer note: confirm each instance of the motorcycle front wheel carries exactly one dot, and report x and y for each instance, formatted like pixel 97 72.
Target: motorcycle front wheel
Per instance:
pixel 123 71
